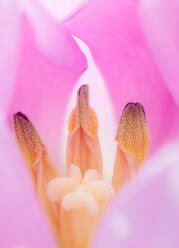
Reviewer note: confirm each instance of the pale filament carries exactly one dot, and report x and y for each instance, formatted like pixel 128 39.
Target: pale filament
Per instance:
pixel 75 203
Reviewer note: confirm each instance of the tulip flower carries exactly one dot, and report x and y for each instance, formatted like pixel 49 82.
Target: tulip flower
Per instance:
pixel 40 66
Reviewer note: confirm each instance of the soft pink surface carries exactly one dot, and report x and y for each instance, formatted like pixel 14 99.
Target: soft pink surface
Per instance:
pixel 161 22
pixel 46 73
pixel 113 31
pixel 9 28
pixel 145 215
pixel 52 37
pixel 23 222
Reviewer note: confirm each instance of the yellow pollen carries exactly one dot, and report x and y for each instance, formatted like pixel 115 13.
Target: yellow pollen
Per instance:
pixel 83 104
pixel 28 139
pixel 133 135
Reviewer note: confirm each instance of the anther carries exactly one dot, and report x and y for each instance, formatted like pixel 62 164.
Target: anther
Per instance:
pixel 28 139
pixel 133 135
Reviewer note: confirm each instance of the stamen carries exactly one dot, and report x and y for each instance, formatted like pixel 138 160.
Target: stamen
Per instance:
pixel 133 143
pixel 28 139
pixel 31 145
pixel 83 146
pixel 83 106
pixel 50 170
pixel 42 170
pixel 133 135
pixel 83 115
pixel 41 191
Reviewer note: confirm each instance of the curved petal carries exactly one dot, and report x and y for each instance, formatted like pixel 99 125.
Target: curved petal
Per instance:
pixel 119 47
pixel 53 38
pixel 9 33
pixel 146 214
pixel 161 22
pixel 64 9
pixel 43 85
pixel 23 223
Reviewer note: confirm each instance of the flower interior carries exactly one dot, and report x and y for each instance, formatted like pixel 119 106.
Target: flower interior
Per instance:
pixel 75 202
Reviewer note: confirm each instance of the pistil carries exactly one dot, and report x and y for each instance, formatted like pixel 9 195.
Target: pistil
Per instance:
pixel 133 143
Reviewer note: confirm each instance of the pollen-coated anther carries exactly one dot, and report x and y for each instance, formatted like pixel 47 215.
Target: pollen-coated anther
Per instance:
pixel 133 135
pixel 28 139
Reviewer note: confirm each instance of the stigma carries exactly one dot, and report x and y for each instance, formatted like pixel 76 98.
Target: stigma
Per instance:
pixel 75 202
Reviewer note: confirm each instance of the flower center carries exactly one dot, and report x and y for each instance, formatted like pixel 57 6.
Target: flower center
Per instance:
pixel 81 201
pixel 75 202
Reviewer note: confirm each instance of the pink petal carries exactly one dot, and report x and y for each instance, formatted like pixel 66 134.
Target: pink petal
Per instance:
pixel 9 27
pixel 146 215
pixel 161 22
pixel 43 85
pixel 64 9
pixel 53 38
pixel 113 31
pixel 23 222
pixel 161 25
